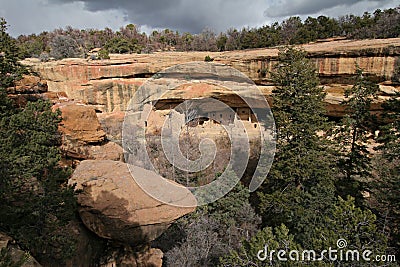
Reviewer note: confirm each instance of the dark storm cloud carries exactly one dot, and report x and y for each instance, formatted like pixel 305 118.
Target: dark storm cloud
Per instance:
pixel 219 15
pixel 184 15
pixel 280 8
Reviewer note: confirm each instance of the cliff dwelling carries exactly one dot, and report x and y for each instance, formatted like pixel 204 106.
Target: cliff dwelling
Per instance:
pixel 229 113
pixel 189 114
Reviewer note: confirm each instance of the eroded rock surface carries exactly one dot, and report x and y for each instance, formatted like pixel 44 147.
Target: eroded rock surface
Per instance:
pixel 113 206
pixel 80 123
pixel 112 124
pixel 83 137
pixel 108 85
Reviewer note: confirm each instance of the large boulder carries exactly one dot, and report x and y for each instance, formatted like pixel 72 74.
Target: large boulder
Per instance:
pixel 113 206
pixel 80 123
pixel 83 136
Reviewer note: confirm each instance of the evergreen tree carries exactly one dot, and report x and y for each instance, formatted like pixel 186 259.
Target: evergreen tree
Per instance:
pixel 299 189
pixel 273 239
pixel 355 162
pixel 346 223
pixel 36 205
pixel 10 69
pixel 358 228
pixel 386 186
pixel 390 133
pixel 122 45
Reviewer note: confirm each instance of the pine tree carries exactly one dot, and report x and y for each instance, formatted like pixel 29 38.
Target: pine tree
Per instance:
pixel 355 162
pixel 358 227
pixel 390 132
pixel 275 239
pixel 36 205
pixel 10 69
pixel 386 186
pixel 298 191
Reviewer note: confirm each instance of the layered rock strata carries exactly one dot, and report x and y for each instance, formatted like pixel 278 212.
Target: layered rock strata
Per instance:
pixel 108 85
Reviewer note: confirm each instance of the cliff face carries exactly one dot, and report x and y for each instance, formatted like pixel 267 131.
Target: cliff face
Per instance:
pixel 108 85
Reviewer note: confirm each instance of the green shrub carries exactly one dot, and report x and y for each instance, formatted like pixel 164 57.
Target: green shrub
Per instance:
pixel 208 59
pixel 103 54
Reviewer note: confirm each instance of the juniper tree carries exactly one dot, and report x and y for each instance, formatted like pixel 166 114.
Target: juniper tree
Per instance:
pixel 64 46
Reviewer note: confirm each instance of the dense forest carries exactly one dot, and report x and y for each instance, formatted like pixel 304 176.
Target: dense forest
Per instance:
pixel 69 42
pixel 315 193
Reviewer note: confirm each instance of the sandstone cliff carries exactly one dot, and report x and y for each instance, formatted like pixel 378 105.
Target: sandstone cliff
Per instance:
pixel 108 85
pixel 93 96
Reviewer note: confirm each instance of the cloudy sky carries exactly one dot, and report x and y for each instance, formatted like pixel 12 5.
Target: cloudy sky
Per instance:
pixel 34 16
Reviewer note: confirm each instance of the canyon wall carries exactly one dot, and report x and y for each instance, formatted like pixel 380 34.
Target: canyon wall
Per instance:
pixel 93 96
pixel 108 85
